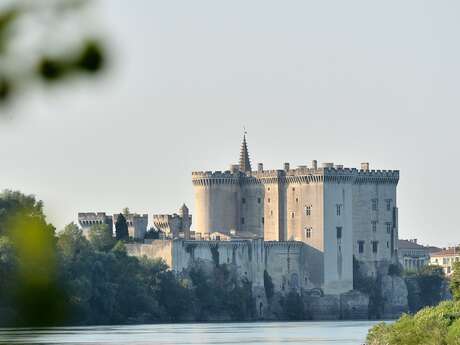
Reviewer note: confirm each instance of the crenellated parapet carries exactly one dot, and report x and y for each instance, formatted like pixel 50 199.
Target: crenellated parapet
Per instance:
pixel 284 244
pixel 328 173
pixel 214 244
pixel 208 178
pixel 377 177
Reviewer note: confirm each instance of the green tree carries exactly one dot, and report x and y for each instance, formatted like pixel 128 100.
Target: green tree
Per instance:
pixel 101 238
pixel 455 282
pixel 71 242
pixel 14 204
pixel 8 267
pixel 431 280
pixel 121 228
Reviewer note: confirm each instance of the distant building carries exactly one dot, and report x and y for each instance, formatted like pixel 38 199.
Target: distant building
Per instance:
pixel 176 225
pixel 137 224
pixel 412 255
pixel 446 259
pixel 88 219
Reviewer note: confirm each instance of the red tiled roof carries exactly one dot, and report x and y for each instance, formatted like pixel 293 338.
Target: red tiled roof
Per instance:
pixel 447 252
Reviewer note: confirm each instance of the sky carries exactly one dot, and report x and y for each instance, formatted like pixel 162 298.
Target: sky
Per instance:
pixel 337 81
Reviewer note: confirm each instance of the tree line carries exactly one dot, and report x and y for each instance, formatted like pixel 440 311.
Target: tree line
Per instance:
pixel 61 278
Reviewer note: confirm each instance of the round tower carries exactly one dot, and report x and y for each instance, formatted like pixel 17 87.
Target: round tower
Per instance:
pixel 216 201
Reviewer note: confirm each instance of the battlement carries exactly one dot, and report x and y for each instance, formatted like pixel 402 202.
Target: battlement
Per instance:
pixel 286 244
pixel 86 219
pixel 94 215
pixel 205 178
pixel 166 217
pixel 303 174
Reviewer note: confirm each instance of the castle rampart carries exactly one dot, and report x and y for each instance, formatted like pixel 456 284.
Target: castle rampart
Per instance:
pixel 290 264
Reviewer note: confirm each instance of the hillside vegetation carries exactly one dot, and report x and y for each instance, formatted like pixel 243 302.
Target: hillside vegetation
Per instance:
pixel 439 325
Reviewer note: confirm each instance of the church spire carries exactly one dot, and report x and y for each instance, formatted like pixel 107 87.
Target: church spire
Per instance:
pixel 245 163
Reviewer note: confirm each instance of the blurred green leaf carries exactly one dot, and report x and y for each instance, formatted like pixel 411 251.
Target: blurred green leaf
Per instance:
pixel 91 58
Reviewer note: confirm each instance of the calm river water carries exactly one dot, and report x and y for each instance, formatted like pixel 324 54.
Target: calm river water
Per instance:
pixel 291 333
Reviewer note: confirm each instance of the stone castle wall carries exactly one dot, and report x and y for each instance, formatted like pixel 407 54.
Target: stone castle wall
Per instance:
pixel 156 249
pixel 291 265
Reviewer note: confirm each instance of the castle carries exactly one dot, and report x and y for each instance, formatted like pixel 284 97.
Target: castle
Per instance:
pixel 340 212
pixel 301 226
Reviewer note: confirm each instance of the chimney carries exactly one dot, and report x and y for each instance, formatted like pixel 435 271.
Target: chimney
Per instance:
pixel 314 164
pixel 260 167
pixel 365 166
pixel 234 168
pixel 286 166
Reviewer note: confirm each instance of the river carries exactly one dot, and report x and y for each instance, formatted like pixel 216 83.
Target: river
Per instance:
pixel 256 333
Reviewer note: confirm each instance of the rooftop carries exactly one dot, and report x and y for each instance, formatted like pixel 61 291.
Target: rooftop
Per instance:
pixel 410 244
pixel 447 252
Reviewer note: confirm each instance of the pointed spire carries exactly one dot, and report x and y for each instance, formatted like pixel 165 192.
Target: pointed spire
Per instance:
pixel 245 163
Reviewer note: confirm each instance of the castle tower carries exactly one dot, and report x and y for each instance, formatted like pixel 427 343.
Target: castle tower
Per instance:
pixel 183 211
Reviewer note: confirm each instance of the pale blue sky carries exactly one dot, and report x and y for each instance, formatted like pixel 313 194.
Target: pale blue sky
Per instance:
pixel 341 81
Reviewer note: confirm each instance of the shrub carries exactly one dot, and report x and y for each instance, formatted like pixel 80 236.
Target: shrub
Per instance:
pixel 455 282
pixel 433 325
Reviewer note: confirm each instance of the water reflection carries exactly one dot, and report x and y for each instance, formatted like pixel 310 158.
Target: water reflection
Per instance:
pixel 317 333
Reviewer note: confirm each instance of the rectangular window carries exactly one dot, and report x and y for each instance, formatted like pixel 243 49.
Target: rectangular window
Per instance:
pixel 375 246
pixel 307 210
pixel 297 200
pixel 268 200
pixel 308 232
pixel 243 200
pixel 374 225
pixel 339 232
pixel 263 220
pixel 374 204
pixel 388 226
pixel 388 202
pixel 388 244
pixel 292 214
pixel 242 220
pixel 258 200
pixel 338 209
pixel 360 247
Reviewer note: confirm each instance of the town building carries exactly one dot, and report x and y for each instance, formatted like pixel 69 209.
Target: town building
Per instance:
pixel 413 256
pixel 446 259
